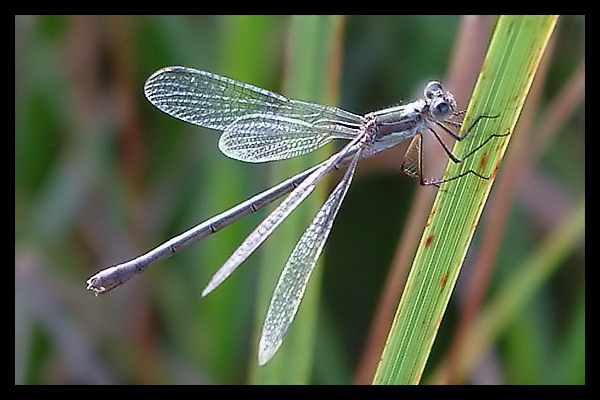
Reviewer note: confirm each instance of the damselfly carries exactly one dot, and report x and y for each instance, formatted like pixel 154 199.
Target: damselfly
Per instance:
pixel 258 126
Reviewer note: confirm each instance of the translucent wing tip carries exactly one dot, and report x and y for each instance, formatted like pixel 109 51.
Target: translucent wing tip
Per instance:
pixel 161 83
pixel 223 273
pixel 212 285
pixel 266 350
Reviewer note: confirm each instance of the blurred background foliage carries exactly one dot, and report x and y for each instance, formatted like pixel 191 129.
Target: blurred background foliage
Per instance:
pixel 101 176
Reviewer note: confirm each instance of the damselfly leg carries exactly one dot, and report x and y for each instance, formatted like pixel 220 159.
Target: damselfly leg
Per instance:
pixel 413 160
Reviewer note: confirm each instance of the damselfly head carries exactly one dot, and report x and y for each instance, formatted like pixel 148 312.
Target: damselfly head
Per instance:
pixel 441 102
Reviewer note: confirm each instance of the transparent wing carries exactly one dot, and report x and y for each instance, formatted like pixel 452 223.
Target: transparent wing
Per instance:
pixel 274 219
pixel 294 278
pixel 220 103
pixel 261 137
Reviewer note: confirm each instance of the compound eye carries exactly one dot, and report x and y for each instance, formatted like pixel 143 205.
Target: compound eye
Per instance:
pixel 441 109
pixel 433 89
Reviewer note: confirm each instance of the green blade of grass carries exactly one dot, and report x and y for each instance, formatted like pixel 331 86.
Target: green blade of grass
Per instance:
pixel 534 272
pixel 512 59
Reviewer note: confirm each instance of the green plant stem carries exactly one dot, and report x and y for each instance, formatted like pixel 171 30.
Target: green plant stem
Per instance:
pixel 502 87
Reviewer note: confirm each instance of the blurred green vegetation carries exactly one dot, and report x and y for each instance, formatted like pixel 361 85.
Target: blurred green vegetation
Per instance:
pixel 101 176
